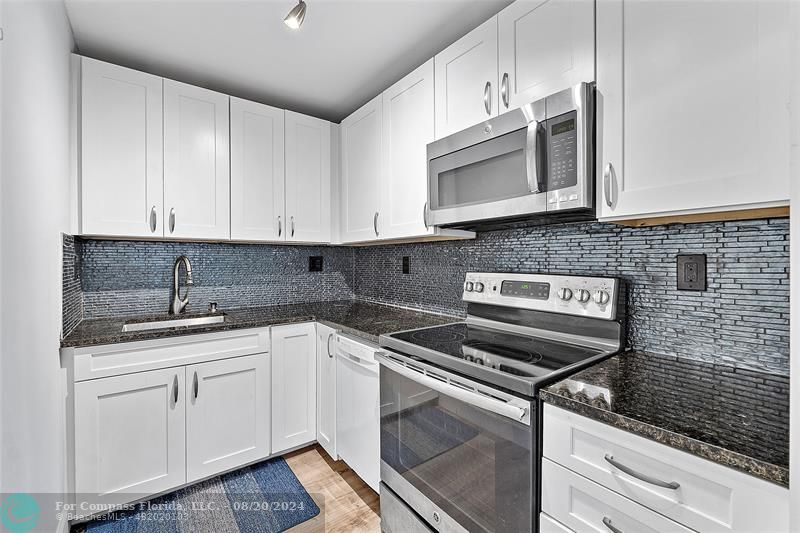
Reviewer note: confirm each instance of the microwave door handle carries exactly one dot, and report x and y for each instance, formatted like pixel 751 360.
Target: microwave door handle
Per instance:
pixel 531 153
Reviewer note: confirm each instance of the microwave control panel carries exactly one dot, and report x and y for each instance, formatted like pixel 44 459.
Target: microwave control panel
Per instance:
pixel 562 151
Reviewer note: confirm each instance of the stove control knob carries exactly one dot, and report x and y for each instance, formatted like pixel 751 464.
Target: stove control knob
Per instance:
pixel 478 286
pixel 601 297
pixel 565 293
pixel 582 295
pixel 468 286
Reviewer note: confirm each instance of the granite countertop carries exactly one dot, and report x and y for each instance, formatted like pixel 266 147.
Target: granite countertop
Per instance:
pixel 362 319
pixel 732 416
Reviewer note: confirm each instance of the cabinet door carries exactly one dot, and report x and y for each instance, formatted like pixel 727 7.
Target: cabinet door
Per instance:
pixel 361 173
pixel 257 169
pixel 693 105
pixel 129 435
pixel 227 414
pixel 122 151
pixel 326 389
pixel 544 46
pixel 407 129
pixel 466 80
pixel 294 386
pixel 308 178
pixel 196 163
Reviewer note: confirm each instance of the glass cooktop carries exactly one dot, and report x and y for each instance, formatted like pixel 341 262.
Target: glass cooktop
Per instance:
pixel 475 348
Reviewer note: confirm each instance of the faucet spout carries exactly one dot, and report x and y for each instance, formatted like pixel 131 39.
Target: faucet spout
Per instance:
pixel 177 304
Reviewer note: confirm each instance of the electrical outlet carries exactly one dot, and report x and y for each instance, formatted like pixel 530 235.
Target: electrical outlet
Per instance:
pixel 406 264
pixel 315 263
pixel 691 272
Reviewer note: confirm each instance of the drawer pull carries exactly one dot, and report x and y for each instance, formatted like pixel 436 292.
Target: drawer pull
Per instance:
pixel 610 526
pixel 642 477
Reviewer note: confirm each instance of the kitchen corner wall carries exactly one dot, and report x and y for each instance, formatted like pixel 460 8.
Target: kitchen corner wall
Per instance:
pixel 742 319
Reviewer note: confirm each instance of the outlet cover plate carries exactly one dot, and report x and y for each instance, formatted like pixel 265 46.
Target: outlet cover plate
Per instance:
pixel 691 273
pixel 315 263
pixel 406 264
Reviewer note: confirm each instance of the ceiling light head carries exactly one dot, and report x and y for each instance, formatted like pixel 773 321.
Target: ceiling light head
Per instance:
pixel 296 16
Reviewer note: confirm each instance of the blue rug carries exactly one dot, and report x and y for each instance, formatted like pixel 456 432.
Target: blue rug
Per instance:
pixel 263 498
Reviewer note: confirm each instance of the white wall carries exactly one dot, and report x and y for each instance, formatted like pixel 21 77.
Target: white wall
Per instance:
pixel 34 205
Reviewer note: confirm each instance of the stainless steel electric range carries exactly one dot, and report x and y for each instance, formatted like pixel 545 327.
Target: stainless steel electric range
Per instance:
pixel 460 422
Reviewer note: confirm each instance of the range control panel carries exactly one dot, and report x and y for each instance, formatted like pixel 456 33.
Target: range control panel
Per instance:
pixel 570 295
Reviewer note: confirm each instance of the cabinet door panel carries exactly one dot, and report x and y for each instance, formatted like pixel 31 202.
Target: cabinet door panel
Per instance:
pixel 361 172
pixel 544 46
pixel 228 414
pixel 129 435
pixel 408 127
pixel 326 389
pixel 196 162
pixel 308 178
pixel 694 103
pixel 121 151
pixel 294 386
pixel 257 171
pixel 462 71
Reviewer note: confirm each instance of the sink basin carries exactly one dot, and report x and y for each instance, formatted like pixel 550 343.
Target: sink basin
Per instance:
pixel 171 323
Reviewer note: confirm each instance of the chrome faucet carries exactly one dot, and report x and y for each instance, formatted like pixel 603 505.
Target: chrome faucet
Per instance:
pixel 177 304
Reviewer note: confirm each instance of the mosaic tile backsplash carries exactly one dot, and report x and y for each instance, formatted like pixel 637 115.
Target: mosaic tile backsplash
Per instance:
pixel 742 319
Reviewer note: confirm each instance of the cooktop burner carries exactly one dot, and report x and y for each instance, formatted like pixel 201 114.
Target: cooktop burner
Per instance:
pixel 504 351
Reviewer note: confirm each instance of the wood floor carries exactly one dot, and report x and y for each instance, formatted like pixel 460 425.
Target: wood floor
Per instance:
pixel 346 503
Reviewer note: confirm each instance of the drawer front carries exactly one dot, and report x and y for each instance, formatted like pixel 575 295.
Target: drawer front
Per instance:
pixel 584 506
pixel 548 525
pixel 709 497
pixel 126 358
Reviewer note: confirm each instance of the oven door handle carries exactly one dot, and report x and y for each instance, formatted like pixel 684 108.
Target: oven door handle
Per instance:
pixel 476 399
pixel 531 156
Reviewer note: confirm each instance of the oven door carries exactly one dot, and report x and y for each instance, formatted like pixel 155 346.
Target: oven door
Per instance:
pixel 489 171
pixel 460 454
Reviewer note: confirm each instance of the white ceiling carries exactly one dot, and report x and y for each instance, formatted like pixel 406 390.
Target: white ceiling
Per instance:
pixel 346 52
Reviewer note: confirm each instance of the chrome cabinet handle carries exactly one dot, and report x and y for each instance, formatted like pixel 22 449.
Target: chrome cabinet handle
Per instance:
pixel 153 219
pixel 425 215
pixel 608 176
pixel 487 97
pixel 280 227
pixel 532 152
pixel 610 526
pixel 673 485
pixel 375 223
pixel 196 385
pixel 175 389
pixel 292 219
pixel 504 89
pixel 330 338
pixel 172 220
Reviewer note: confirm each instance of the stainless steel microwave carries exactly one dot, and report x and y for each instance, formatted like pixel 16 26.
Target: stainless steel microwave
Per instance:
pixel 532 165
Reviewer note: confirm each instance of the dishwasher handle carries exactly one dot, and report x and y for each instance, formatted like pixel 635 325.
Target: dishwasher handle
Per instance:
pixel 371 366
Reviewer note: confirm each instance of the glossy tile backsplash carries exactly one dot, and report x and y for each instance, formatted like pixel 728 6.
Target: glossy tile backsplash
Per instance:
pixel 742 319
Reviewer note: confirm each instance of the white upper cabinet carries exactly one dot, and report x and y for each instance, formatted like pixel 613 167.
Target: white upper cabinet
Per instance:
pixel 544 46
pixel 408 126
pixel 196 162
pixel 466 80
pixel 693 106
pixel 121 151
pixel 227 414
pixel 361 173
pixel 257 172
pixel 308 178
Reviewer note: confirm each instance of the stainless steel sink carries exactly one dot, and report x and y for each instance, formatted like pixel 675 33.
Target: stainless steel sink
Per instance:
pixel 170 323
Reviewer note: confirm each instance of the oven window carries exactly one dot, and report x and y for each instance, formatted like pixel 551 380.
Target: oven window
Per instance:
pixel 474 464
pixel 490 171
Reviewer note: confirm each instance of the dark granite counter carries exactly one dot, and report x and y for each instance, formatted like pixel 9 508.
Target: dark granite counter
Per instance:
pixel 735 417
pixel 362 319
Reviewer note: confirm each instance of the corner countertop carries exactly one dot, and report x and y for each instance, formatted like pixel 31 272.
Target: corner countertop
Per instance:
pixel 732 416
pixel 362 319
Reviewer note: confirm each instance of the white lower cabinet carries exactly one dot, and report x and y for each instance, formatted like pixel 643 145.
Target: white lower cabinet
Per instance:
pixel 294 386
pixel 130 435
pixel 326 389
pixel 227 414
